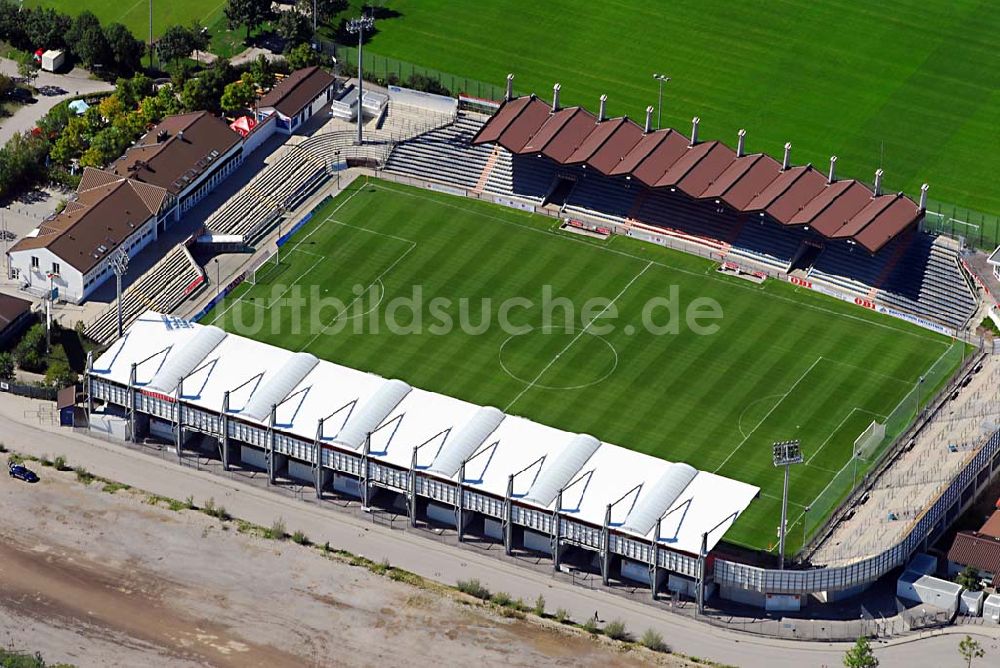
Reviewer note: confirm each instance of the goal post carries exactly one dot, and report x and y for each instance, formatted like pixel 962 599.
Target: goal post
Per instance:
pixel 259 268
pixel 869 440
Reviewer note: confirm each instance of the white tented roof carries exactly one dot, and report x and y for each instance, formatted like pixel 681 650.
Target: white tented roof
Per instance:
pixel 463 443
pixel 187 359
pixel 640 488
pixel 369 416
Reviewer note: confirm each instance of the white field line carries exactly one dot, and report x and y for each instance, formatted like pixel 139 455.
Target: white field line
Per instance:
pixel 378 279
pixel 768 414
pixel 575 338
pixel 708 275
pixel 269 304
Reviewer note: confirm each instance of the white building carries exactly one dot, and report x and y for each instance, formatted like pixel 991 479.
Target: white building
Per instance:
pixel 128 205
pixel 297 98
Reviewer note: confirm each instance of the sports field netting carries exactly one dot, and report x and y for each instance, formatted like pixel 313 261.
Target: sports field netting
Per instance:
pixel 783 364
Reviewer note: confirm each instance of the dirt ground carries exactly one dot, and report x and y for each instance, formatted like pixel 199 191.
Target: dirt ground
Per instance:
pixel 100 579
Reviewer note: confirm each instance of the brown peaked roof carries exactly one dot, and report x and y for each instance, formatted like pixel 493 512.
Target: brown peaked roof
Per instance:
pixel 177 151
pixel 666 158
pixel 992 526
pixel 972 548
pixel 98 221
pixel 12 308
pixel 296 91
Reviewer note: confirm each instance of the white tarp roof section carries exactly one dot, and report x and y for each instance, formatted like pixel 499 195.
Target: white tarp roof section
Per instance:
pixel 353 403
pixel 462 444
pixel 366 418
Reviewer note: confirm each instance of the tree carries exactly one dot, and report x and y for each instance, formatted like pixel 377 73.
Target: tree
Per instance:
pixel 262 72
pixel 59 375
pixel 27 68
pixel 969 579
pixel 46 27
pixel 132 91
pixel 250 13
pixel 175 43
pixel 302 56
pixel 294 28
pixel 970 649
pixel 30 350
pixel 125 50
pixel 86 39
pixel 325 9
pixel 200 39
pixel 860 656
pixel 6 366
pixel 239 94
pixel 6 85
pixel 105 146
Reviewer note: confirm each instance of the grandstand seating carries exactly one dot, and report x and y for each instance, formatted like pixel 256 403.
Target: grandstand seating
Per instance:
pixel 698 222
pixel 443 154
pixel 598 197
pixel 162 288
pixel 767 244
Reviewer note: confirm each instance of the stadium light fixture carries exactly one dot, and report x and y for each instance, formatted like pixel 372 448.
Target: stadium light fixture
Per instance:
pixel 785 453
pixel 662 79
pixel 119 264
pixel 358 26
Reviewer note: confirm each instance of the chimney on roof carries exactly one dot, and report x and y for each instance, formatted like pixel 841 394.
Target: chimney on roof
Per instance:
pixel 923 196
pixel 649 120
pixel 833 170
pixel 878 182
pixel 694 130
pixel 555 97
pixel 787 160
pixel 740 142
pixel 602 110
pixel 510 87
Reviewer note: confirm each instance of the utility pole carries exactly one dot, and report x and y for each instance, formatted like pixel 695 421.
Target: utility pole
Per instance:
pixel 119 264
pixel 785 453
pixel 359 26
pixel 659 104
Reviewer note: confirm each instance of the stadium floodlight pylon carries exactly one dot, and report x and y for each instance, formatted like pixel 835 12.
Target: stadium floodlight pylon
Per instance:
pixel 359 26
pixel 785 453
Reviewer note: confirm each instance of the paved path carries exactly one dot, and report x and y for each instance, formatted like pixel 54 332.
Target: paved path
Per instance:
pixel 22 430
pixel 76 82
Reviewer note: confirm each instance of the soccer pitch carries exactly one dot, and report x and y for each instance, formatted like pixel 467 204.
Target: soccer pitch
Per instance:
pixel 782 364
pixel 134 14
pixel 908 87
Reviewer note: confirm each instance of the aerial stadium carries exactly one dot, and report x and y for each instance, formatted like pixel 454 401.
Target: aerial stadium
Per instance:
pixel 641 456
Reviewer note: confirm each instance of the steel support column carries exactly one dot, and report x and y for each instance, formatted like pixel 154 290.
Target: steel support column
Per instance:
pixel 179 426
pixel 654 560
pixel 318 457
pixel 363 478
pixel 224 431
pixel 701 573
pixel 508 517
pixel 270 444
pixel 460 501
pixel 556 532
pixel 130 422
pixel 411 490
pixel 606 548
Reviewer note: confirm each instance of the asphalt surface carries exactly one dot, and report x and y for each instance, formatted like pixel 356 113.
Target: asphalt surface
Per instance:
pixel 22 430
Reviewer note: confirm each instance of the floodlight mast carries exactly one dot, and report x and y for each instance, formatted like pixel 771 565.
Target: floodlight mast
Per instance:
pixel 359 26
pixel 119 264
pixel 662 78
pixel 785 453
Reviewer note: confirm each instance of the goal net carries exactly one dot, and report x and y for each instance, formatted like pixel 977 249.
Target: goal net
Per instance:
pixel 869 439
pixel 260 268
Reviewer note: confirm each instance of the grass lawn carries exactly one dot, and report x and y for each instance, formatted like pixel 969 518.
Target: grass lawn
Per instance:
pixel 910 85
pixel 783 363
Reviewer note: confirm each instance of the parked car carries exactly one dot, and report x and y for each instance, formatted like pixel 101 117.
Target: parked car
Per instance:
pixel 22 472
pixel 22 95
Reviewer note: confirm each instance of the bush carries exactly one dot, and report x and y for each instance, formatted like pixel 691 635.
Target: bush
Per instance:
pixel 561 616
pixel 473 588
pixel 654 641
pixel 83 475
pixel 30 350
pixel 539 608
pixel 615 629
pixel 379 568
pixel 502 599
pixel 6 366
pixel 112 487
pixel 189 503
pixel 59 463
pixel 300 538
pixel 59 375
pixel 45 461
pixel 590 626
pixel 277 530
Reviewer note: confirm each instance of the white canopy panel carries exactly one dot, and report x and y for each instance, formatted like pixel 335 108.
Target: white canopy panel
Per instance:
pixel 368 417
pixel 660 497
pixel 463 444
pixel 186 359
pixel 281 385
pixel 562 469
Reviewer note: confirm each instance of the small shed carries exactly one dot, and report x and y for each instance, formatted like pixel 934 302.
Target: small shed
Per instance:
pixel 971 603
pixel 66 405
pixel 991 608
pixel 914 586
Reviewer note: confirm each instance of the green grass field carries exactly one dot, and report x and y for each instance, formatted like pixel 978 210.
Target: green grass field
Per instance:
pixel 910 85
pixel 783 363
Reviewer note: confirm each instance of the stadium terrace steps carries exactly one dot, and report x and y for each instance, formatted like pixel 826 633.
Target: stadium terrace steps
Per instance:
pixel 443 154
pixel 600 198
pixel 763 243
pixel 694 221
pixel 167 283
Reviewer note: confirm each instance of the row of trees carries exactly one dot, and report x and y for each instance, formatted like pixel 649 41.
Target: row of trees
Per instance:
pixel 293 25
pixel 110 50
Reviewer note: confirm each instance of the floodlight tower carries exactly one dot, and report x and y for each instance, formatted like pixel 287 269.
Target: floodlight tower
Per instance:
pixel 119 264
pixel 662 78
pixel 785 453
pixel 359 26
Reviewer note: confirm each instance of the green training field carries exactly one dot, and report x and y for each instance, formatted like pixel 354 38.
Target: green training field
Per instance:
pixel 134 14
pixel 783 363
pixel 911 85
